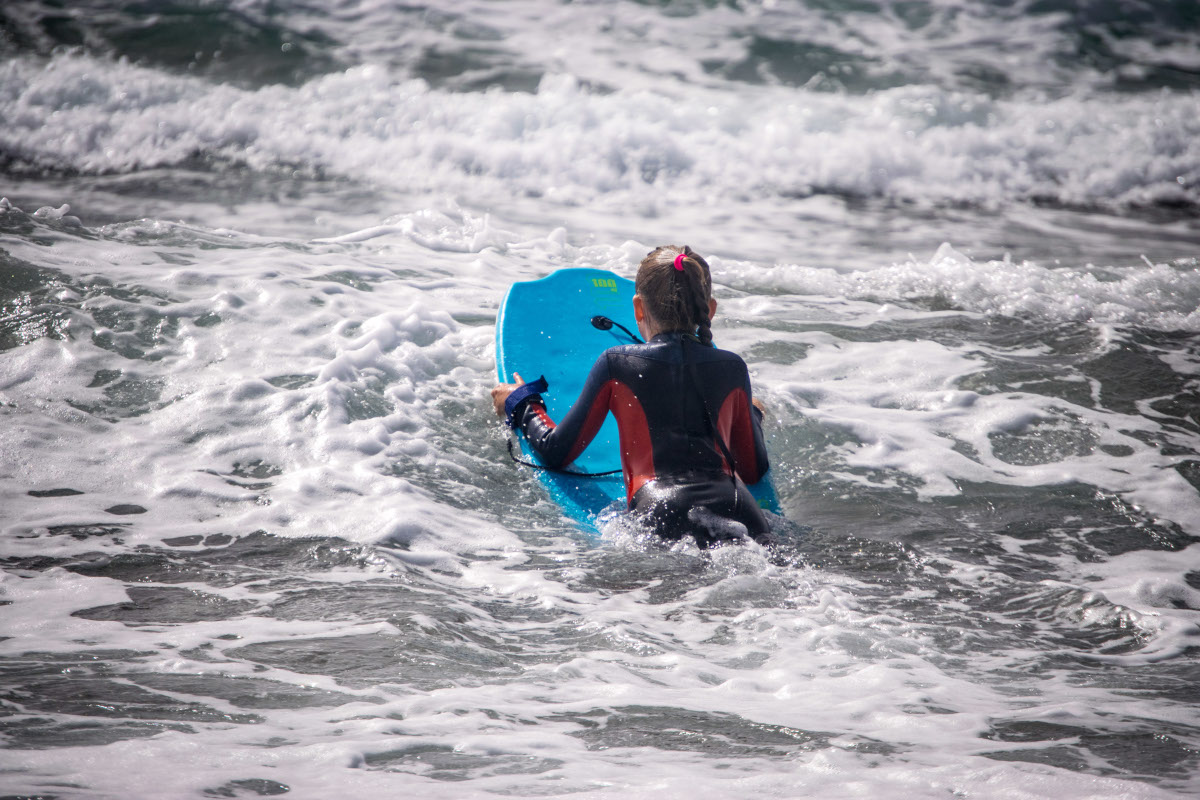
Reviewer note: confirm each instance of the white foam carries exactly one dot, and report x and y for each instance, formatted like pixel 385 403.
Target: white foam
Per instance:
pixel 1156 295
pixel 391 440
pixel 635 147
pixel 1153 585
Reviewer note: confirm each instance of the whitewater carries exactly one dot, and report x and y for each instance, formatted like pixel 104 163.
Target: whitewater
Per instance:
pixel 259 531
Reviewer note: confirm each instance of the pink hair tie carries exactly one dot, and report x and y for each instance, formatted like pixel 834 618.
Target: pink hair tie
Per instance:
pixel 679 261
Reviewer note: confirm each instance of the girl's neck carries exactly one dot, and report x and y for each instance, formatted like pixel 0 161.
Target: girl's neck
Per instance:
pixel 649 328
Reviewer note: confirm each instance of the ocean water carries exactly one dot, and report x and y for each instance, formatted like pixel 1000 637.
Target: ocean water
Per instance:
pixel 259 532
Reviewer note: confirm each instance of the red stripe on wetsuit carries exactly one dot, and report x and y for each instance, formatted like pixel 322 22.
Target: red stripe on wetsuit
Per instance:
pixel 637 450
pixel 734 426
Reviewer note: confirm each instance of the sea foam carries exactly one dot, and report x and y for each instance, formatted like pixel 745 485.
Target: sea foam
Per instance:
pixel 567 145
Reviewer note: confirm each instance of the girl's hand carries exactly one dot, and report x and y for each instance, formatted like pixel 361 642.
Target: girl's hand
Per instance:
pixel 501 391
pixel 759 405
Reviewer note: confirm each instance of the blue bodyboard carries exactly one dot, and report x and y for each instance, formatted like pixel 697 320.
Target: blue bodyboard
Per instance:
pixel 544 328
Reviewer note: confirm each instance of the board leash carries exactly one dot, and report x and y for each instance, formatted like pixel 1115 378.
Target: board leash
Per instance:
pixel 603 323
pixel 541 468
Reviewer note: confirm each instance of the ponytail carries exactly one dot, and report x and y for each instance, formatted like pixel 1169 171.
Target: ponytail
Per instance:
pixel 695 293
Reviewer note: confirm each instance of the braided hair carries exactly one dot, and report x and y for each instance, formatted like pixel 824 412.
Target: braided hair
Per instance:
pixel 676 286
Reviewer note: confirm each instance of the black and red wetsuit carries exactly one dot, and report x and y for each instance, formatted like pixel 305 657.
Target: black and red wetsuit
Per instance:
pixel 667 395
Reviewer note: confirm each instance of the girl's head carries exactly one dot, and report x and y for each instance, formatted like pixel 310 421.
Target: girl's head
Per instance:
pixel 675 288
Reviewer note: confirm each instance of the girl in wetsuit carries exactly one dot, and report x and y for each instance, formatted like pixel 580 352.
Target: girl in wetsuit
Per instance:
pixel 691 437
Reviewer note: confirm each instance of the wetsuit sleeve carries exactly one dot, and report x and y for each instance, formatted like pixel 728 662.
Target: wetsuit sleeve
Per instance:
pixel 747 443
pixel 760 444
pixel 559 444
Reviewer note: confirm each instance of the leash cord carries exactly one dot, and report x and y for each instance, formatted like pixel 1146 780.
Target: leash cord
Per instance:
pixel 512 454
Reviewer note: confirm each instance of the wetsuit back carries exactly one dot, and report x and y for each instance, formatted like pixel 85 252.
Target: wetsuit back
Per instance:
pixel 668 395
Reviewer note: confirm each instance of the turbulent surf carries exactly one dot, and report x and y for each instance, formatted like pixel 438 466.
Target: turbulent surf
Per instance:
pixel 259 531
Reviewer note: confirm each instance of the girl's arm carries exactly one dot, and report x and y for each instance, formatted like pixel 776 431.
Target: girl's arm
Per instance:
pixel 762 463
pixel 559 444
pixel 746 442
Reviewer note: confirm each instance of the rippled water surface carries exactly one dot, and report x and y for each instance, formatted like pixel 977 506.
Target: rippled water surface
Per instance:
pixel 259 532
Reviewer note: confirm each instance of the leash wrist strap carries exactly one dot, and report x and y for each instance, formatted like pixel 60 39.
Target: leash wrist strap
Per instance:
pixel 520 395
